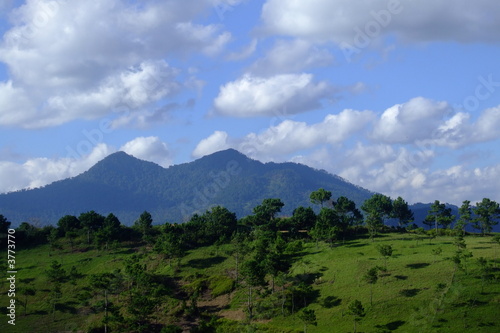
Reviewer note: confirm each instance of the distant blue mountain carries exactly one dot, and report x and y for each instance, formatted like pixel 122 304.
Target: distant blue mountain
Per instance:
pixel 126 186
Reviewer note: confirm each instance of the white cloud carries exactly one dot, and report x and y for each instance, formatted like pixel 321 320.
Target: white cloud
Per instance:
pixel 38 172
pixel 150 149
pixel 287 94
pixel 215 142
pixel 289 136
pixel 291 56
pixel 81 59
pixel 344 21
pixel 414 120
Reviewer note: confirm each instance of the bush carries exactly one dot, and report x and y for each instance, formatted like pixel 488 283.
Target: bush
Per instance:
pixel 220 285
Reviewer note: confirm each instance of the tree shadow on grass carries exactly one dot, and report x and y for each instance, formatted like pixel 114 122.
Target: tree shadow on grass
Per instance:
pixel 330 301
pixel 401 277
pixel 205 262
pixel 409 292
pixel 392 326
pixel 418 265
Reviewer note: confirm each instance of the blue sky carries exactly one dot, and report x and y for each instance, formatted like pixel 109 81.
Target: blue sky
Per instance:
pixel 398 96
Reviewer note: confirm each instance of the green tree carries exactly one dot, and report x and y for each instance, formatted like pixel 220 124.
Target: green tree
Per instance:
pixel 377 209
pixel 109 231
pixel 103 282
pixel 320 196
pixel 254 275
pixel 265 213
pixel 371 277
pixel 385 251
pixel 308 317
pixel 347 213
pixel 144 224
pixel 91 221
pixel 488 213
pixel 357 310
pixel 56 273
pixel 440 215
pixel 68 223
pixel 401 212
pixel 26 291
pixel 4 224
pixel 465 212
pixel 302 219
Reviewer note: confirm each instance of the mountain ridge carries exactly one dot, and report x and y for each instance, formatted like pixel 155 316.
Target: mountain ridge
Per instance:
pixel 126 186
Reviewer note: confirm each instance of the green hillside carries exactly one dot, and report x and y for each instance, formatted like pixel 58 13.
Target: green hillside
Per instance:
pixel 421 290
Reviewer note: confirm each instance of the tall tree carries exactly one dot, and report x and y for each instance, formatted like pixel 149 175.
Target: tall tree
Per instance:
pixel 145 226
pixel 357 310
pixel 377 209
pixel 320 196
pixel 401 212
pixel 68 223
pixel 308 317
pixel 265 213
pixel 465 212
pixel 488 213
pixel 371 277
pixel 91 221
pixel 348 214
pixel 254 275
pixel 440 215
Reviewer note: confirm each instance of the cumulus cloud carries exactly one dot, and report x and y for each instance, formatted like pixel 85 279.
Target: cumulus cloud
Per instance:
pixel 36 172
pixel 81 59
pixel 288 56
pixel 414 120
pixel 213 143
pixel 287 94
pixel 343 21
pixel 150 149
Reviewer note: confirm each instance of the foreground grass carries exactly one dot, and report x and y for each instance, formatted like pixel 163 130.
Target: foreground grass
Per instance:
pixel 419 292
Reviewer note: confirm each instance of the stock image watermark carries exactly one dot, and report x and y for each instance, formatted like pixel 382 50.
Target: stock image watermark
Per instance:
pixel 204 196
pixel 484 90
pixel 372 29
pixel 11 273
pixel 45 13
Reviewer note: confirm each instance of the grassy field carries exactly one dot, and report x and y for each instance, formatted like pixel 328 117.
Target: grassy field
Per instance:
pixel 420 291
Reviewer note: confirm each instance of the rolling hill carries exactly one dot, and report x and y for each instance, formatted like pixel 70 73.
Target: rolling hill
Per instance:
pixel 126 186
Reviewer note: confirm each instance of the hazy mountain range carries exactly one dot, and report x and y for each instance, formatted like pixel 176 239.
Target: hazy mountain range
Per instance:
pixel 126 186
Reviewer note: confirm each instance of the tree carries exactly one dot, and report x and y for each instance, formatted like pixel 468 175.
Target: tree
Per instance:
pixel 27 291
pixel 320 196
pixel 326 227
pixel 488 212
pixel 371 277
pixel 465 212
pixel 56 273
pixel 110 231
pixel 385 251
pixel 104 282
pixel 357 310
pixel 377 209
pixel 347 213
pixel 68 223
pixel 308 317
pixel 145 226
pixel 266 212
pixel 402 212
pixel 254 275
pixel 440 215
pixel 302 219
pixel 91 221
pixel 4 224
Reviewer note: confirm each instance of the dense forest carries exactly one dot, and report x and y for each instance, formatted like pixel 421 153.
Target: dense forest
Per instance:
pixel 337 265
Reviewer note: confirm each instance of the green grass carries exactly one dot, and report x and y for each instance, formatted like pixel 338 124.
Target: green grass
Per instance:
pixel 406 297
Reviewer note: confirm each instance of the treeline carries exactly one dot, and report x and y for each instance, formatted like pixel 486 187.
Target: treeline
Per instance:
pixel 263 246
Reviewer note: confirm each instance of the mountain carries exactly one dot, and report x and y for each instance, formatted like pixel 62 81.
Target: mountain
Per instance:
pixel 126 186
